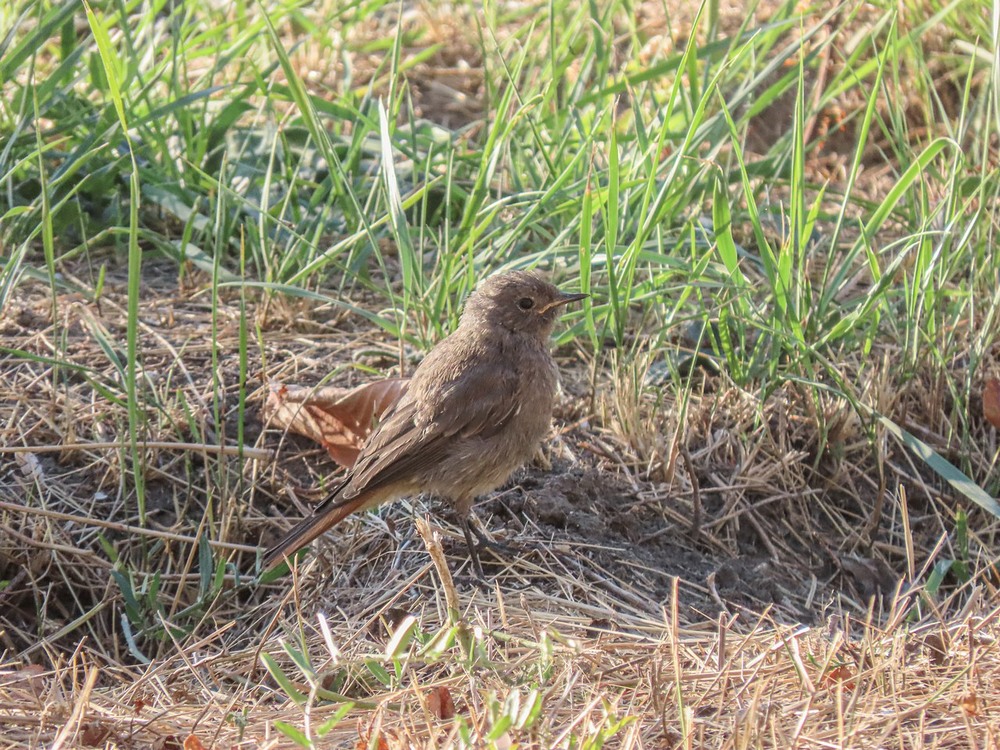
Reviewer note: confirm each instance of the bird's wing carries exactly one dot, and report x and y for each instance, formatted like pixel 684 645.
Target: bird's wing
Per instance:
pixel 476 402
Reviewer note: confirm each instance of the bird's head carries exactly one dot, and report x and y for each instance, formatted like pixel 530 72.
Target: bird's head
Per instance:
pixel 518 301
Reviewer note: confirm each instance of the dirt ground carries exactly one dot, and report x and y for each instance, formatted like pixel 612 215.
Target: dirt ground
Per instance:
pixel 578 513
pixel 735 517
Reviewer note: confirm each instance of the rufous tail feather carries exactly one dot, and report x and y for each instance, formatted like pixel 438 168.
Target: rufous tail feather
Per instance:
pixel 310 527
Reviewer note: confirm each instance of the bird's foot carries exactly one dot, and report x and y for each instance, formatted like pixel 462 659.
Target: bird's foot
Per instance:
pixel 482 542
pixel 485 542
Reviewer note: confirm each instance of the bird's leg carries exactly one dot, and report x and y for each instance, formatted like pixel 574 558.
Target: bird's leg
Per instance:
pixel 477 566
pixel 485 542
pixel 471 528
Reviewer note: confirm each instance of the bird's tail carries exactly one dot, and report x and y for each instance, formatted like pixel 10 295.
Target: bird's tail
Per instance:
pixel 325 517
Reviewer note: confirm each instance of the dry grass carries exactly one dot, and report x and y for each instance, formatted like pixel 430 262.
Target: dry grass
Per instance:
pixel 596 663
pixel 695 566
pixel 661 607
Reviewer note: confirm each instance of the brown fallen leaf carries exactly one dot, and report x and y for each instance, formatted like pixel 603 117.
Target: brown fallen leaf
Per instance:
pixel 937 648
pixel 440 703
pixel 969 703
pixel 94 734
pixel 28 680
pixel 991 402
pixel 367 742
pixel 191 742
pixel 338 419
pixel 842 675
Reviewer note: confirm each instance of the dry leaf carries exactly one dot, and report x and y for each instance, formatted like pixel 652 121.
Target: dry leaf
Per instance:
pixel 367 742
pixel 969 703
pixel 29 679
pixel 842 674
pixel 991 402
pixel 340 420
pixel 937 648
pixel 440 703
pixel 94 735
pixel 191 742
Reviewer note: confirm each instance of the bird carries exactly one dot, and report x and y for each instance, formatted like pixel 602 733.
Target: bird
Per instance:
pixel 476 409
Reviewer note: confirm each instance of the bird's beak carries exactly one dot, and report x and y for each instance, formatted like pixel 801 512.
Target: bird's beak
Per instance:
pixel 563 299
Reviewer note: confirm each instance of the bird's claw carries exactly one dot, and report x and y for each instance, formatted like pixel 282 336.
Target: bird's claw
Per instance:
pixel 483 542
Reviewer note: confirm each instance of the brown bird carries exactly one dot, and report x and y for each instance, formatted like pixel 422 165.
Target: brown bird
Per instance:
pixel 475 410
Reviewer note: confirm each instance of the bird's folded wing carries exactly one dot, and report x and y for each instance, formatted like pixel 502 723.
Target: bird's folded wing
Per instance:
pixel 478 404
pixel 418 432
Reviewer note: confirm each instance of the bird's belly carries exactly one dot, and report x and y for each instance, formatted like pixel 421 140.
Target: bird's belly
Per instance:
pixel 478 465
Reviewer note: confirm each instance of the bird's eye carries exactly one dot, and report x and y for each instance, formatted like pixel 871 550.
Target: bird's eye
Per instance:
pixel 526 303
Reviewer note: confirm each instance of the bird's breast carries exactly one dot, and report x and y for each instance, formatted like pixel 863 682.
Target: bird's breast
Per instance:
pixel 479 464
